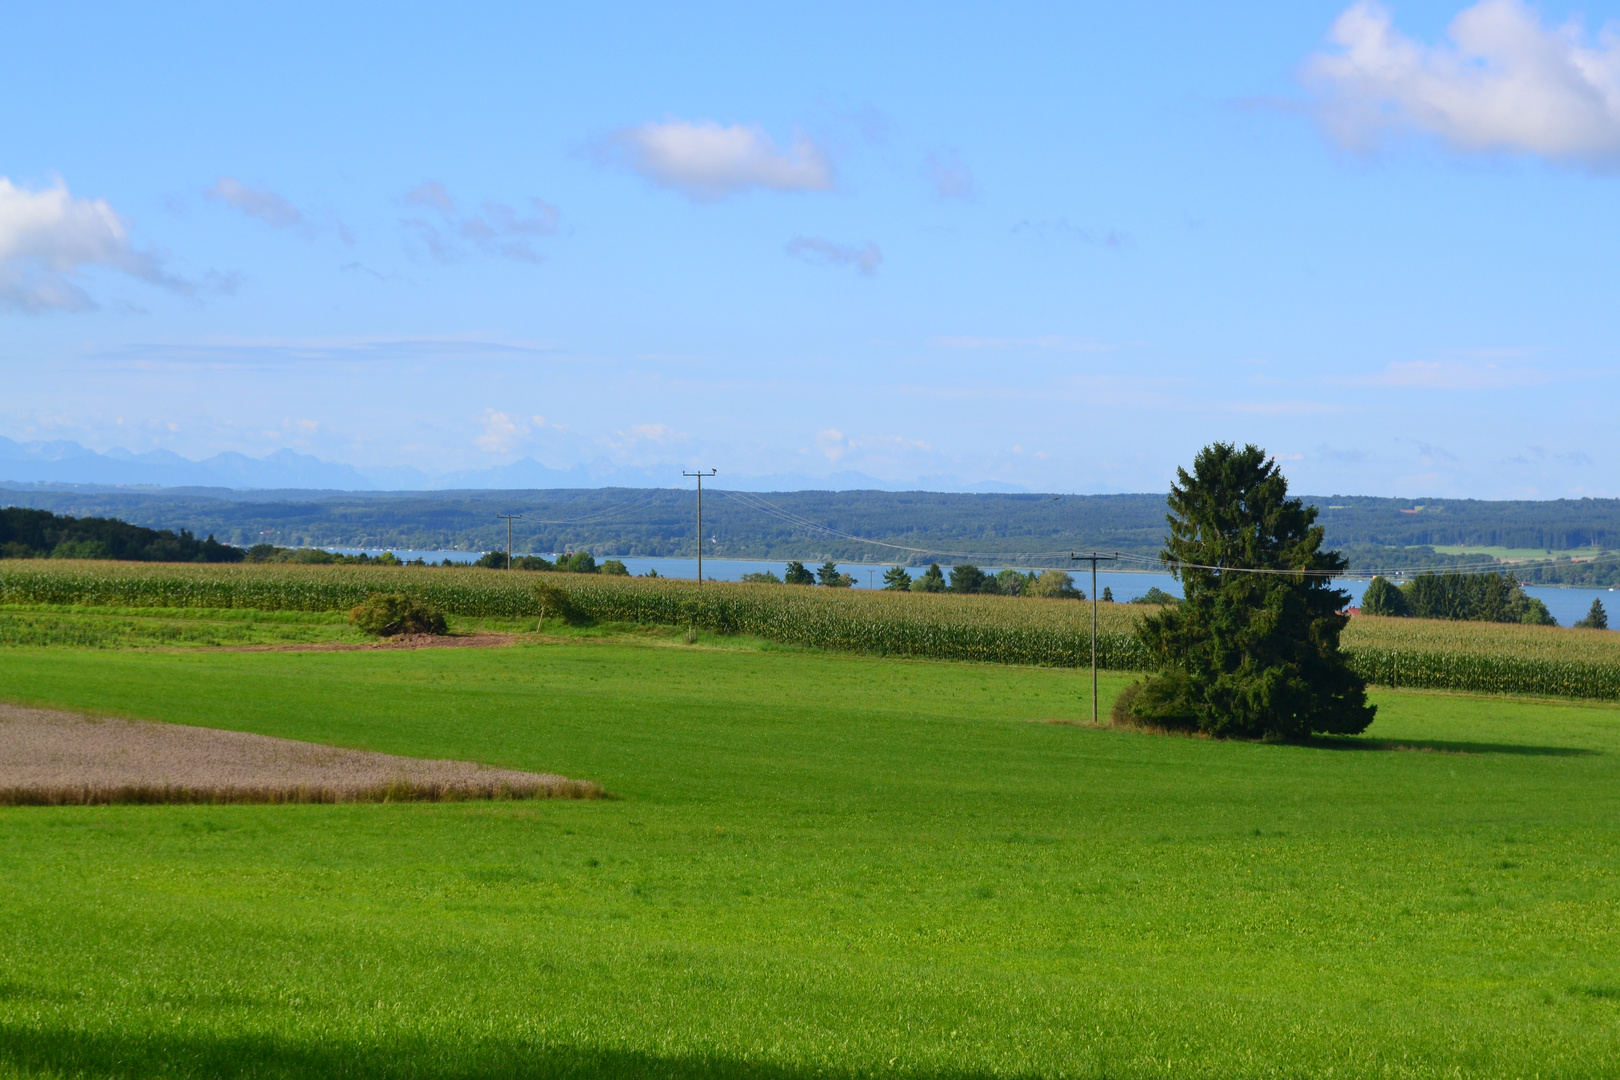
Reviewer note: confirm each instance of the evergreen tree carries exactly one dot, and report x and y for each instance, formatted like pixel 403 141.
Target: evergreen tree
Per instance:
pixel 1596 618
pixel 797 574
pixel 1249 654
pixel 968 578
pixel 932 580
pixel 1107 596
pixel 1383 598
pixel 829 576
pixel 895 579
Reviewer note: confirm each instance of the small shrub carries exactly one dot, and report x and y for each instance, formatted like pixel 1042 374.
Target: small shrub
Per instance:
pixel 1054 585
pixel 557 604
pixel 1121 714
pixel 387 614
pixel 1158 705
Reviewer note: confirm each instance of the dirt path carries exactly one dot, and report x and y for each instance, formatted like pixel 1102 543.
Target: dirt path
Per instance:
pixel 408 641
pixel 57 758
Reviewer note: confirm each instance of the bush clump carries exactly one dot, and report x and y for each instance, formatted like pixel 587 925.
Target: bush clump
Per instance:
pixel 554 603
pixel 389 614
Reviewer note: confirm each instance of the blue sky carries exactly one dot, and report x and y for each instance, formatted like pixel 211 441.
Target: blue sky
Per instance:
pixel 1055 246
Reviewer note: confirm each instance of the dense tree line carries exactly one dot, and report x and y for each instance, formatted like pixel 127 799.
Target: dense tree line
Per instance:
pixel 1371 533
pixel 40 534
pixel 965 578
pixel 1472 597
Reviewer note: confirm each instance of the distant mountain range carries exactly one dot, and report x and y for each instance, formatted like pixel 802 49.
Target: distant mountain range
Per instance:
pixel 64 462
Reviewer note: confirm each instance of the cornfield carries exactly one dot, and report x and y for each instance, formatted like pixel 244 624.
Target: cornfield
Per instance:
pixel 1492 658
pixel 996 629
pixel 1481 657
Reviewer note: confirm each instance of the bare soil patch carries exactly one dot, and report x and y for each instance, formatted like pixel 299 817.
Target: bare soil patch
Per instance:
pixel 50 758
pixel 405 641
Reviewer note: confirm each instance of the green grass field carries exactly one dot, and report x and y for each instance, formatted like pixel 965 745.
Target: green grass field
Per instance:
pixel 817 865
pixel 1516 553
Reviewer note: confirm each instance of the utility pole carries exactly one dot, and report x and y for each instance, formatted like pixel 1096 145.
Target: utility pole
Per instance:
pixel 1094 558
pixel 700 474
pixel 509 519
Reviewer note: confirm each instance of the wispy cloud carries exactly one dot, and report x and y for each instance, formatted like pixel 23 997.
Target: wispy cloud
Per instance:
pixel 499 230
pixel 50 237
pixel 865 257
pixel 707 161
pixel 950 176
pixel 1503 82
pixel 1350 457
pixel 260 203
pixel 1453 375
pixel 276 354
pixel 1063 229
pixel 1045 341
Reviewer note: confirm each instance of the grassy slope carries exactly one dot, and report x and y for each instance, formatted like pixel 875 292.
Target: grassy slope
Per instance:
pixel 821 864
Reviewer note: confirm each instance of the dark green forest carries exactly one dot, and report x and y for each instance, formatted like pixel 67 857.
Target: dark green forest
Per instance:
pixel 40 534
pixel 916 528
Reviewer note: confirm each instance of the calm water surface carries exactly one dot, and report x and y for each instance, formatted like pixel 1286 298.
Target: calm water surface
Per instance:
pixel 1566 605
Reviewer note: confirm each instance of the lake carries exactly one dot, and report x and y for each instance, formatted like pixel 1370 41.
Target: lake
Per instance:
pixel 1566 605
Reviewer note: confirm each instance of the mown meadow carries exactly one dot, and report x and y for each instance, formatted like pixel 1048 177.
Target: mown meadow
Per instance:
pixel 816 864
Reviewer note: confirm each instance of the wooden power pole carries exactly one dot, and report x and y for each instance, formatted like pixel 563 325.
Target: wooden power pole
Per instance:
pixel 1094 558
pixel 700 474
pixel 509 519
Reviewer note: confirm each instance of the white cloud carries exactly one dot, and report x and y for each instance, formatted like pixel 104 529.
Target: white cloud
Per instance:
pixel 501 434
pixel 49 237
pixel 500 230
pixel 1503 82
pixel 874 451
pixel 261 203
pixel 832 443
pixel 866 258
pixel 707 161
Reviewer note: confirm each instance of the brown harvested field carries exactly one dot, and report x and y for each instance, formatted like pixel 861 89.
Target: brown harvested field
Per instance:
pixel 50 758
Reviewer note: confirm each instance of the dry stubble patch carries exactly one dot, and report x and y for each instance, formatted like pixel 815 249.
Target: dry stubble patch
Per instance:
pixel 50 758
